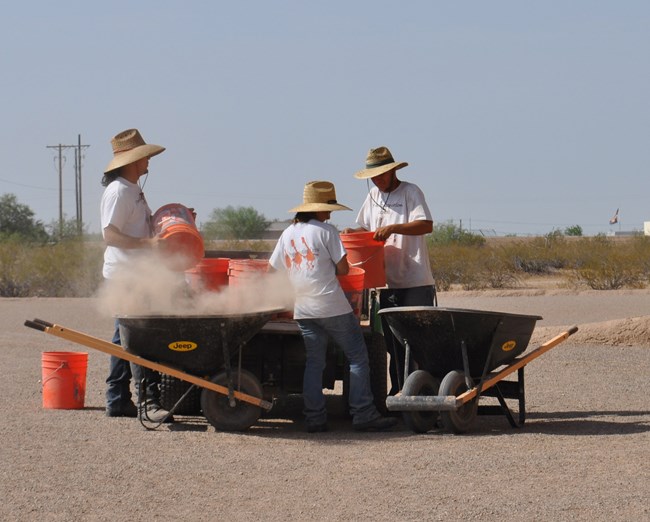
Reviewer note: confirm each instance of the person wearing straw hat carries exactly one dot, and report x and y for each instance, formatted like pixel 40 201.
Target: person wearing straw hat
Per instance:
pixel 126 228
pixel 311 252
pixel 397 212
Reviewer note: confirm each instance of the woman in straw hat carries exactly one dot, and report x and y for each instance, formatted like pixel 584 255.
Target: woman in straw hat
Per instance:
pixel 311 252
pixel 126 228
pixel 397 213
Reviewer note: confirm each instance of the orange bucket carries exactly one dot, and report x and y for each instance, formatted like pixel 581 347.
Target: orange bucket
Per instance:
pixel 209 274
pixel 245 271
pixel 175 224
pixel 366 253
pixel 64 380
pixel 352 286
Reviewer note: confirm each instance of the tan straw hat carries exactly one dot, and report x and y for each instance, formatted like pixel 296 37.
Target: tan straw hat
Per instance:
pixel 378 161
pixel 129 147
pixel 319 196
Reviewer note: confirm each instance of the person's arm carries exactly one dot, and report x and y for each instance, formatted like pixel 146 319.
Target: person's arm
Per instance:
pixel 343 267
pixel 413 228
pixel 113 237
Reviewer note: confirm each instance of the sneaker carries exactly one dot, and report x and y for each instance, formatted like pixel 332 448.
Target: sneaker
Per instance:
pixel 154 412
pixel 378 424
pixel 317 428
pixel 127 410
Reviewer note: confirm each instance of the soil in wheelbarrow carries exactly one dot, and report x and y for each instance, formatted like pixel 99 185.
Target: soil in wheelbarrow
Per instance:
pixel 582 455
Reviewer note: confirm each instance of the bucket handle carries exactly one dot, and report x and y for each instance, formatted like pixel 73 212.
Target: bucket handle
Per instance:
pixel 61 366
pixel 366 260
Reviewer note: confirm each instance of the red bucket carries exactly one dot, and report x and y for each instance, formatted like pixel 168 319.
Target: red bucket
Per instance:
pixel 209 274
pixel 175 224
pixel 352 286
pixel 366 253
pixel 64 380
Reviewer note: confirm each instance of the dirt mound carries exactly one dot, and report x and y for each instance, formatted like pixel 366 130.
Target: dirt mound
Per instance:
pixel 632 331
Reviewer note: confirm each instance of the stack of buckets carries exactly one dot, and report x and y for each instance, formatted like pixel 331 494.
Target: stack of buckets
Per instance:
pixel 209 274
pixel 352 286
pixel 175 224
pixel 245 271
pixel 366 253
pixel 64 380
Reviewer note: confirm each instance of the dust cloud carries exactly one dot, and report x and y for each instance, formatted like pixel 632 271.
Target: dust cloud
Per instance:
pixel 150 287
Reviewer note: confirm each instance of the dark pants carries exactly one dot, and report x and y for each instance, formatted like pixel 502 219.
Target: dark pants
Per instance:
pixel 389 297
pixel 118 391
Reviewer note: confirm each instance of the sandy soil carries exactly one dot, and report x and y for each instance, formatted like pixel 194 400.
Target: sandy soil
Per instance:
pixel 582 454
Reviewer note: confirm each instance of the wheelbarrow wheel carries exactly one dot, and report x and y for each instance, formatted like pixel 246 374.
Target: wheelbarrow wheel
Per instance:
pixel 216 406
pixel 461 419
pixel 424 384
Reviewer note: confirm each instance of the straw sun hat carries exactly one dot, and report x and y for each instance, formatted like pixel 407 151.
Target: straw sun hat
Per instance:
pixel 378 161
pixel 319 196
pixel 129 147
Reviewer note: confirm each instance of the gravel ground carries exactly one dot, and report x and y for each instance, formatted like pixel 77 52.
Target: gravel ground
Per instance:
pixel 582 454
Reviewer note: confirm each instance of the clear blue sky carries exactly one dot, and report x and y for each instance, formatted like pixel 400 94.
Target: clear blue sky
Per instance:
pixel 515 116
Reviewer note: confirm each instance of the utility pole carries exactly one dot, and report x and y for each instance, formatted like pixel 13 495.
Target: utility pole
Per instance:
pixel 77 181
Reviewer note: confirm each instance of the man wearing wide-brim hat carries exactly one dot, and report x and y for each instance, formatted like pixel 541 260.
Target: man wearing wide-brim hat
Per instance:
pixel 312 254
pixel 397 212
pixel 126 228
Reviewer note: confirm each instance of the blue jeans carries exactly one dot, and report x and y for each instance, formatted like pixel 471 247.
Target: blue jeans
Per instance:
pixel 346 333
pixel 118 390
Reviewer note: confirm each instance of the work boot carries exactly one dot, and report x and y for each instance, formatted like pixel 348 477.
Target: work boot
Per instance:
pixel 378 424
pixel 128 409
pixel 151 411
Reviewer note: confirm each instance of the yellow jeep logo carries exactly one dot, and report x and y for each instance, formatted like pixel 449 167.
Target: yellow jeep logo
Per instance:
pixel 508 346
pixel 183 346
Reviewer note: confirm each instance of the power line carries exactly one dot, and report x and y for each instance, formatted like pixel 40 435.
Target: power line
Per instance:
pixel 77 180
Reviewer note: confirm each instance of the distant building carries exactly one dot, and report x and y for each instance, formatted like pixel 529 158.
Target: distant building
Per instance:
pixel 646 228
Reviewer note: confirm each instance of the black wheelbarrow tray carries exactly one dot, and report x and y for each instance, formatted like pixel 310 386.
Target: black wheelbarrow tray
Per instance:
pixel 461 355
pixel 202 350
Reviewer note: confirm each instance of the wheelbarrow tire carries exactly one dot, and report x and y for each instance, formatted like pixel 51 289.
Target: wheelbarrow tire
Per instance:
pixel 217 409
pixel 460 420
pixel 421 383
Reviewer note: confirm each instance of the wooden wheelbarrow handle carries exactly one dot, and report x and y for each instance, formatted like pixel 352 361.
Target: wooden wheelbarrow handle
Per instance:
pixel 113 349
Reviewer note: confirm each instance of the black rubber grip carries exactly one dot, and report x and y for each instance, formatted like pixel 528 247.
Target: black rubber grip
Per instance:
pixel 44 323
pixel 35 325
pixel 573 330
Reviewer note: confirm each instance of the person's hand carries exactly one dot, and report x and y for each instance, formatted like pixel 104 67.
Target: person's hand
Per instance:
pixel 383 233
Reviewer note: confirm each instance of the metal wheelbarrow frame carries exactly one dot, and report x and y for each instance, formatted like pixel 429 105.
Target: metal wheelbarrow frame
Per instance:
pixel 231 400
pixel 454 348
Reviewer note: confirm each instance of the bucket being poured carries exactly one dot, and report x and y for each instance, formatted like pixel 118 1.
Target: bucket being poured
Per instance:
pixel 366 253
pixel 64 380
pixel 183 244
pixel 209 274
pixel 246 271
pixel 352 286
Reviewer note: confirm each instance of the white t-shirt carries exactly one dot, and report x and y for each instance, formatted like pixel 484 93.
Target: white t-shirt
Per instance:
pixel 123 205
pixel 309 253
pixel 406 257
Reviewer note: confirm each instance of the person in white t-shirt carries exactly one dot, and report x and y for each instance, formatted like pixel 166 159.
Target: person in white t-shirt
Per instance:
pixel 311 252
pixel 397 212
pixel 127 232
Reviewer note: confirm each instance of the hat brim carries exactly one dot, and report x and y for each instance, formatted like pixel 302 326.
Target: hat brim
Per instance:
pixel 319 207
pixel 378 171
pixel 131 156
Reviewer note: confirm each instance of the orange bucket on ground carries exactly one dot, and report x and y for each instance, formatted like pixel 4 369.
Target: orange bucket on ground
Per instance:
pixel 366 253
pixel 352 285
pixel 209 274
pixel 245 271
pixel 64 380
pixel 175 224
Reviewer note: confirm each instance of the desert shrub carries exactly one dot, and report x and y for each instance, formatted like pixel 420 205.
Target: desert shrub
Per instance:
pixel 541 255
pixel 471 267
pixel 604 264
pixel 71 268
pixel 448 233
